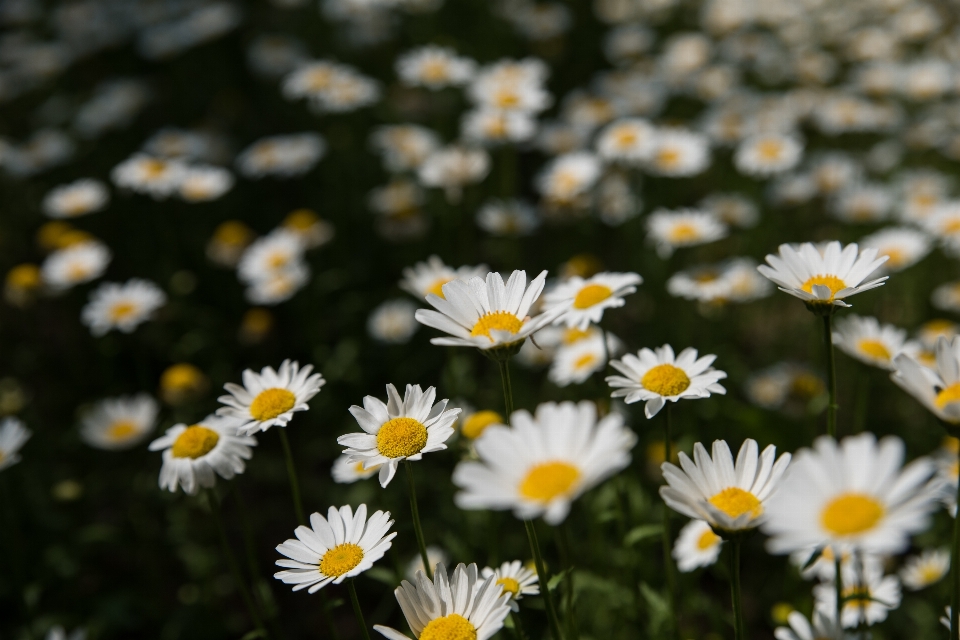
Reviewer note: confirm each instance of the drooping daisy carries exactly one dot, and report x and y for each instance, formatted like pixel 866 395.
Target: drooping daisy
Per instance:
pixel 867 598
pixel 434 68
pixel 193 456
pixel 582 302
pixel 393 322
pixel 936 388
pixel 852 496
pixel 903 246
pixel 76 264
pixel 542 463
pixel 486 314
pixel 767 154
pixel 696 546
pixel 344 471
pixel 459 606
pixel 75 199
pixel 865 339
pixel 516 579
pixel 823 280
pixel 119 423
pixel 730 497
pixel 658 376
pixel 332 549
pixel 678 153
pixel 669 230
pixel 576 359
pixel 429 277
pixel 823 628
pixel 928 568
pixel 630 140
pixel 13 435
pixel 122 306
pixel 398 430
pixel 270 398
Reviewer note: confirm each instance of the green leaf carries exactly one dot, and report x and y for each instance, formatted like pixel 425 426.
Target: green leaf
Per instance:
pixel 557 579
pixel 256 633
pixel 641 533
pixel 817 553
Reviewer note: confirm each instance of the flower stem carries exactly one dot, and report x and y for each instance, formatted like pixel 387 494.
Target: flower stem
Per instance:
pixel 517 627
pixel 563 539
pixel 544 580
pixel 292 474
pixel 666 537
pixel 507 386
pixel 417 527
pixel 356 608
pixel 838 585
pixel 955 572
pixel 735 589
pixel 831 376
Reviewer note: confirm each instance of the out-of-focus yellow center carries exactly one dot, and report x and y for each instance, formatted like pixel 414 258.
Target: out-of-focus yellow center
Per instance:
pixel 496 320
pixel 666 380
pixel 24 276
pixel 874 349
pixel 831 282
pixel 181 376
pixel 584 361
pixel 856 597
pixel 437 287
pixel 341 559
pixel 707 540
pixel 121 430
pixel 510 586
pixel 590 295
pixel 574 335
pixel 735 502
pixel 451 627
pixel 851 513
pixel 478 422
pixel 930 574
pixel 270 403
pixel 626 137
pixel 668 158
pixel 682 232
pixel 435 70
pixel 154 168
pixel 549 480
pixel 401 437
pixel 770 149
pixel 301 220
pixel 507 99
pixel 948 395
pixel 122 310
pixel 195 442
pixel 895 257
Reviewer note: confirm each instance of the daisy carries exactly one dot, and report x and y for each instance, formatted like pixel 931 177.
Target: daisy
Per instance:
pixel 342 545
pixel 495 126
pixel 13 435
pixel 285 156
pixel 428 277
pixel 946 296
pixel 119 423
pixel 928 568
pixel 865 339
pixel 732 209
pixel 575 361
pixel 310 228
pixel 153 176
pixel 730 497
pixel 228 243
pixel 507 218
pixel 434 67
pixel 202 183
pixel 766 154
pixel 345 472
pixel 404 147
pixel 452 168
pixel 542 463
pixel 582 302
pixel 122 306
pixel 867 598
pixel 486 314
pixel 823 280
pixel 937 388
pixel 852 496
pixel 670 230
pixel 275 252
pixel 182 382
pixel 435 556
pixel 862 204
pixel 697 546
pixel 511 85
pixel 193 456
pixel 270 398
pixel 658 376
pixel 398 430
pixel 516 580
pixel 76 199
pixel 473 425
pixel 568 177
pixel 678 153
pixel 903 246
pixel 735 280
pixel 393 322
pixel 76 264
pixel 823 628
pixel 21 283
pixel 629 140
pixel 459 606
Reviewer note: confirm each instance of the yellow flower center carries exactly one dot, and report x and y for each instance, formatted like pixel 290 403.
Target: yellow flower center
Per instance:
pixel 770 149
pixel 851 513
pixel 451 627
pixel 584 361
pixel 122 310
pixel 590 295
pixel 77 271
pixel 496 320
pixel 510 586
pixel 194 442
pixel 668 158
pixel 831 282
pixel 301 220
pixel 121 430
pixel 806 385
pixel 707 540
pixel 735 502
pixel 952 226
pixel 895 257
pixel 682 232
pixel 341 559
pixel 626 137
pixel 24 276
pixel 666 380
pixel 856 597
pixel 948 395
pixel 549 480
pixel 507 99
pixel 478 422
pixel 875 349
pixel 154 168
pixel 401 438
pixel 930 574
pixel 270 403
pixel 278 260
pixel 437 287
pixel 181 376
pixel 574 335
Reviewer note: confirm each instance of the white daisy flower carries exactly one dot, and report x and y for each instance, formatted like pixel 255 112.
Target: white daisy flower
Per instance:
pixel 735 280
pixel 576 361
pixel 332 549
pixel 194 456
pixel 583 301
pixel 903 246
pixel 202 183
pixel 823 628
pixel 824 279
pixel 312 230
pixel 569 176
pixel 13 435
pixel 461 606
pixel 156 177
pixel 452 168
pixel 852 496
pixel 507 218
pixel 434 67
pixel 628 140
pixel 404 147
pixel 393 322
pixel 285 156
pixel 732 209
pixel 512 85
pixel 865 339
pixel 496 126
pixel 516 580
pixel 429 277
pixel 730 497
pixel 696 546
pixel 345 472
pixel 868 600
pixel 679 153
pixel 937 387
pixel 279 250
pixel 946 296
pixel 928 568
pixel 119 423
pixel 278 286
pixel 486 314
pixel 658 376
pixel 542 463
pixel 270 398
pixel 121 306
pixel 75 199
pixel 75 264
pixel 766 154
pixel 435 556
pixel 669 230
pixel 398 430
pixel 862 204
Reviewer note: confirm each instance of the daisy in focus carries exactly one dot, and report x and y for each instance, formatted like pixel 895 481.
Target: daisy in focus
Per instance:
pixel 582 302
pixel 936 388
pixel 76 199
pixel 926 569
pixel 193 456
pixel 729 497
pixel 332 549
pixel 400 429
pixel 459 606
pixel 429 276
pixel 543 462
pixel 516 579
pixel 865 339
pixel 696 546
pixel 271 397
pixel 670 230
pixel 658 376
pixel 13 435
pixel 120 423
pixel 121 306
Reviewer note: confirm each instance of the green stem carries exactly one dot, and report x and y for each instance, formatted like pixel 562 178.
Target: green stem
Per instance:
pixel 666 536
pixel 517 627
pixel 838 585
pixel 507 386
pixel 292 474
pixel 544 580
pixel 735 588
pixel 417 527
pixel 356 608
pixel 831 376
pixel 955 573
pixel 563 539
pixel 606 350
